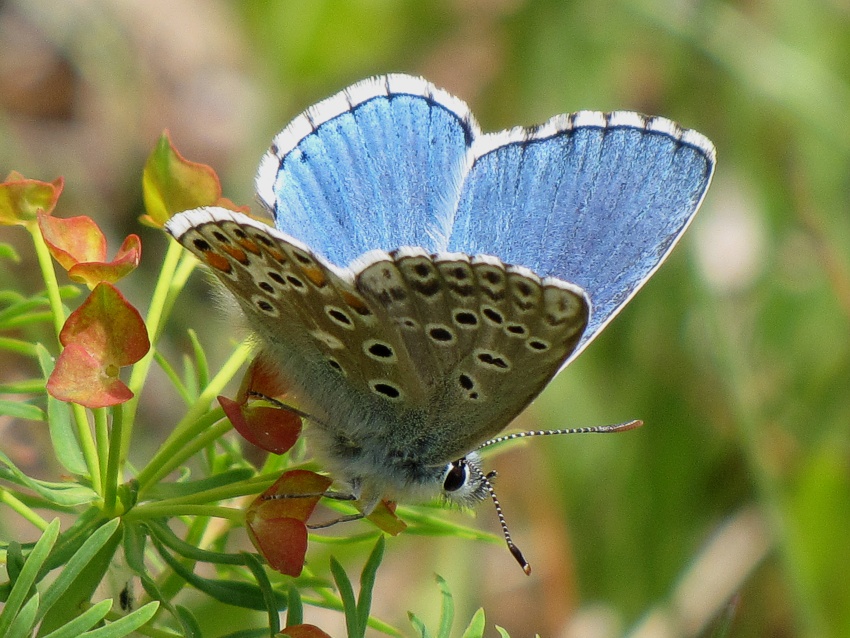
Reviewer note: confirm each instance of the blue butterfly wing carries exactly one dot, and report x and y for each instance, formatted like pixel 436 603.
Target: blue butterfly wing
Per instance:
pixel 597 200
pixel 377 166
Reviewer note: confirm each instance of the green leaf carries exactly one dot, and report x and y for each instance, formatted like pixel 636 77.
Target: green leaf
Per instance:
pixel 28 575
pixel 188 488
pixel 295 613
pixel 21 410
pixel 191 628
pixel 66 447
pixel 73 538
pixel 134 546
pixel 25 620
pixel 502 632
pixel 8 252
pixel 476 625
pixel 126 625
pixel 349 606
pixel 86 620
pixel 81 588
pixel 78 562
pixel 266 587
pixel 367 582
pixel 58 493
pixel 231 592
pixel 168 538
pixel 14 560
pixel 447 609
pixel 418 625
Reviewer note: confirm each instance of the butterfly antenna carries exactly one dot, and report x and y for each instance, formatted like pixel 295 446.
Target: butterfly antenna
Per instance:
pixel 485 480
pixel 598 429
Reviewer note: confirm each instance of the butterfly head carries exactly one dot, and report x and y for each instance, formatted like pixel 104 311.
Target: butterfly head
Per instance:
pixel 464 483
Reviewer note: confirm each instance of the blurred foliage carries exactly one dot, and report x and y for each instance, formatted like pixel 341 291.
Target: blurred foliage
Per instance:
pixel 734 500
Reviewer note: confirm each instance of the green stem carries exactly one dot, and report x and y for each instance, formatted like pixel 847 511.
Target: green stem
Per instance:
pixel 154 322
pixel 193 424
pixel 156 510
pixel 113 462
pixel 176 450
pixel 55 299
pixel 45 262
pixel 87 445
pixel 16 505
pixel 101 435
pixel 18 346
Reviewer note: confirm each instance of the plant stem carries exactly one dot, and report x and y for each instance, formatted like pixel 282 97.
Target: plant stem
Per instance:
pixel 193 424
pixel 16 505
pixel 45 262
pixel 154 322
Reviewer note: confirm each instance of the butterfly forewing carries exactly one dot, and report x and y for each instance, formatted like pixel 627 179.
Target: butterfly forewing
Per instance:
pixel 377 166
pixel 595 199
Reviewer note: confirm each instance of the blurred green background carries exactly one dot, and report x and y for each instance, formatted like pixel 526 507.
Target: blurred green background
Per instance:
pixel 732 504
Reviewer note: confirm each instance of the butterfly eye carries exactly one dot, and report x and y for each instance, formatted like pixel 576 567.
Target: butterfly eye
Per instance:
pixel 456 477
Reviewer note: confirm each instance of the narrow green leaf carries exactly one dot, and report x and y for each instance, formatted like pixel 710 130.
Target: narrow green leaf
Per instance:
pixel 502 632
pixel 8 252
pixel 81 588
pixel 190 379
pixel 66 447
pixel 58 493
pixel 85 621
pixel 418 625
pixel 163 534
pixel 25 620
pixel 447 609
pixel 72 538
pixel 265 586
pixel 134 541
pixel 21 410
pixel 231 592
pixel 14 560
pixel 78 562
pixel 28 575
pixel 24 386
pixel 476 625
pixel 188 488
pixel 367 582
pixel 349 606
pixel 201 363
pixel 191 628
pixel 126 625
pixel 295 613
pixel 171 373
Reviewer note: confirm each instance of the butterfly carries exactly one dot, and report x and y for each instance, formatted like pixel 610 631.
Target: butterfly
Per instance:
pixel 424 281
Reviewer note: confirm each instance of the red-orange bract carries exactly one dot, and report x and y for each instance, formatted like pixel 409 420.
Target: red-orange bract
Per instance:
pixel 102 335
pixel 277 519
pixel 78 244
pixel 21 199
pixel 171 184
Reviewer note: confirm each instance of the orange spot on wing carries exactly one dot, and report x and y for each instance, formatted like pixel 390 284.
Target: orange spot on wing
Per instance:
pixel 218 262
pixel 237 253
pixel 277 254
pixel 315 275
pixel 355 302
pixel 250 246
